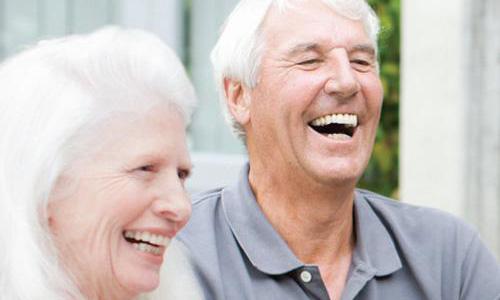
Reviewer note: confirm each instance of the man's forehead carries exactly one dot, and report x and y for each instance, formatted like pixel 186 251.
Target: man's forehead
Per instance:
pixel 314 25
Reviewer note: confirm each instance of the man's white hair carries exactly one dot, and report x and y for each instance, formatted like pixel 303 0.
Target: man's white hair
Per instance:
pixel 238 52
pixel 51 97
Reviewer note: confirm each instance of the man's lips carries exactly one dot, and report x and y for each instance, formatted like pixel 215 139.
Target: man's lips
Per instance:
pixel 336 126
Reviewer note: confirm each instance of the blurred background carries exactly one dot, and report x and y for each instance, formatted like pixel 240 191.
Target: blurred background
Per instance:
pixel 439 139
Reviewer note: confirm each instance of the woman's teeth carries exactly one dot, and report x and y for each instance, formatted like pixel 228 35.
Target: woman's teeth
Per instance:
pixel 155 239
pixel 146 242
pixel 147 248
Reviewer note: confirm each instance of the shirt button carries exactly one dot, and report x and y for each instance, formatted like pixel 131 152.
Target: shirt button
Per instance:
pixel 305 276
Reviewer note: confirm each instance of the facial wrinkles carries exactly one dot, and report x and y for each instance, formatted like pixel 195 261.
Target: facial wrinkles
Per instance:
pixel 98 240
pixel 274 66
pixel 333 59
pixel 90 276
pixel 103 277
pixel 313 40
pixel 278 64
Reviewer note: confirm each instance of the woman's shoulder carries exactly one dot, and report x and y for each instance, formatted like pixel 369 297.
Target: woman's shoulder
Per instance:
pixel 178 280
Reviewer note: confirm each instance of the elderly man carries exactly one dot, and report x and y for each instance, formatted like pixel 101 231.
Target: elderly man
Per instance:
pixel 300 82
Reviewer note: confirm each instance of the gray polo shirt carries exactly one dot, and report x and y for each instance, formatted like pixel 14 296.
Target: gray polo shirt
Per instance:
pixel 401 252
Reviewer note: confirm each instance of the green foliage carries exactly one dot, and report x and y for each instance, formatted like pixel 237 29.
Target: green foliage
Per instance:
pixel 383 170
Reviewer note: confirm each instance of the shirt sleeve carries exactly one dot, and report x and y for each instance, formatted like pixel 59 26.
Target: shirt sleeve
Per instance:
pixel 480 273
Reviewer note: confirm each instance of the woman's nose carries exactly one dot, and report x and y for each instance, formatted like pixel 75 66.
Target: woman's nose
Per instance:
pixel 173 205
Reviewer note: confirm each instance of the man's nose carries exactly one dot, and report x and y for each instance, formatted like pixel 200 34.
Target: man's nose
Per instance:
pixel 173 205
pixel 342 81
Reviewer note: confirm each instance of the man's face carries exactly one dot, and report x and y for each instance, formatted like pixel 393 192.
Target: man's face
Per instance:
pixel 315 109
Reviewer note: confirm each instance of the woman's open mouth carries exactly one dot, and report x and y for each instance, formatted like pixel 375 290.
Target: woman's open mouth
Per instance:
pixel 147 242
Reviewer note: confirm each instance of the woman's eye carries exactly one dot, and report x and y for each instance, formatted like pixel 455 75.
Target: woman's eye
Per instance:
pixel 147 168
pixel 183 174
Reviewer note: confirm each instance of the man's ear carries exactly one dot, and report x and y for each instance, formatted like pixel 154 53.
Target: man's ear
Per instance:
pixel 237 100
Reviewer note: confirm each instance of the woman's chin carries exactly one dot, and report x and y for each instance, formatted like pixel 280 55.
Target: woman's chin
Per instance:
pixel 139 283
pixel 146 285
pixel 136 271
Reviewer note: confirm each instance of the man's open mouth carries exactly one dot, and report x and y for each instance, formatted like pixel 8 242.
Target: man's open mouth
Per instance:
pixel 336 126
pixel 146 241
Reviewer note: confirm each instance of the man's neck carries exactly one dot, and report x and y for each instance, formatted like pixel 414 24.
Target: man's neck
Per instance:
pixel 315 221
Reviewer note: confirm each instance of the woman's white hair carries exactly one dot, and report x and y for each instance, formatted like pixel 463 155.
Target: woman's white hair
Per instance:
pixel 237 54
pixel 50 97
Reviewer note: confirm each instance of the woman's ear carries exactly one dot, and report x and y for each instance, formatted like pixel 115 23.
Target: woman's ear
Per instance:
pixel 237 101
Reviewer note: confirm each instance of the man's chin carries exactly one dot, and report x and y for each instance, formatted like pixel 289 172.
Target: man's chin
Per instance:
pixel 342 181
pixel 337 178
pixel 345 173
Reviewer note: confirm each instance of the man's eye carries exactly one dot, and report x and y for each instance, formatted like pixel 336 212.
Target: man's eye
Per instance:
pixel 361 65
pixel 309 62
pixel 361 62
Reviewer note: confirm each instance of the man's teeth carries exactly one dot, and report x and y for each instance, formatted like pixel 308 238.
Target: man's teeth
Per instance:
pixel 147 248
pixel 346 119
pixel 148 237
pixel 339 136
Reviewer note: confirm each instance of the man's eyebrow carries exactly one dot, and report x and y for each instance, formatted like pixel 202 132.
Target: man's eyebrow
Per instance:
pixel 367 48
pixel 303 47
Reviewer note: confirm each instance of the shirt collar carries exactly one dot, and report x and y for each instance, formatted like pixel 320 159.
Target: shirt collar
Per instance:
pixel 264 247
pixel 270 254
pixel 375 248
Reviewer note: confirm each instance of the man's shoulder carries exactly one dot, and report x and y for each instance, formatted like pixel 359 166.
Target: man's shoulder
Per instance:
pixel 206 198
pixel 422 225
pixel 440 245
pixel 407 211
pixel 206 218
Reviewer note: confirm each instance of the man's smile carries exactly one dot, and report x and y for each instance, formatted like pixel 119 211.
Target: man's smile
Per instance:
pixel 336 126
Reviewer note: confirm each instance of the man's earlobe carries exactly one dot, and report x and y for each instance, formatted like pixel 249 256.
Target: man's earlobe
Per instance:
pixel 237 100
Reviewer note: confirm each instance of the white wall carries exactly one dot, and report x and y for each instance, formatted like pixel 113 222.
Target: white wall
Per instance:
pixel 432 104
pixel 214 170
pixel 163 17
pixel 450 110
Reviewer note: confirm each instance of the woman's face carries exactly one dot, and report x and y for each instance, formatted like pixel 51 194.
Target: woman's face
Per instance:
pixel 114 212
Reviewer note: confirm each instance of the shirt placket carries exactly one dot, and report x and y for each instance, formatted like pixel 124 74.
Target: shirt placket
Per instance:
pixel 309 279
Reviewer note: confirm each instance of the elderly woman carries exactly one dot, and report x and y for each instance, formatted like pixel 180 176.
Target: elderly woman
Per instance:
pixel 93 160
